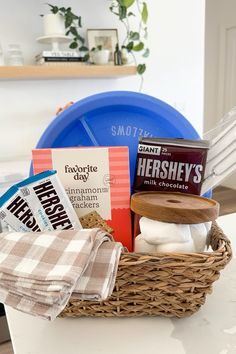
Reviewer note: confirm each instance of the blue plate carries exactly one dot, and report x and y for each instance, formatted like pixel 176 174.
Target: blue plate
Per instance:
pixel 116 118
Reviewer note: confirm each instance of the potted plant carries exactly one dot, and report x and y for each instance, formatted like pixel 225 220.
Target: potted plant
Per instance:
pixel 67 23
pixel 99 56
pixel 135 40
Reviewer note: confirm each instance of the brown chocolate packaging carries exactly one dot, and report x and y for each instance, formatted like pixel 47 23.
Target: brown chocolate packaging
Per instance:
pixel 175 165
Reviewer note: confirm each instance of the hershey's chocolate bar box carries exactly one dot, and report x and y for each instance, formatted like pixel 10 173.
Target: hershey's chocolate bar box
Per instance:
pixel 176 165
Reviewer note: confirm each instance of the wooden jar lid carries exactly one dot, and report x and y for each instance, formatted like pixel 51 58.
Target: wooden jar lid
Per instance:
pixel 178 208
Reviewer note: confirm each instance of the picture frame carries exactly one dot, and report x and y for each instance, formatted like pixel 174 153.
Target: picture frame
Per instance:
pixel 107 37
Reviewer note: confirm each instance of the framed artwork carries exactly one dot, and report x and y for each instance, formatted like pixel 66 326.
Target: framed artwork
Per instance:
pixel 107 38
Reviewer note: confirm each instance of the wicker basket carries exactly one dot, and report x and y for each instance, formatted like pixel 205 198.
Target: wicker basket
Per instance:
pixel 167 284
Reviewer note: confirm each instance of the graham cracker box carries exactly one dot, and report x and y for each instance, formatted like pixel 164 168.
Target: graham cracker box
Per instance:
pixel 97 181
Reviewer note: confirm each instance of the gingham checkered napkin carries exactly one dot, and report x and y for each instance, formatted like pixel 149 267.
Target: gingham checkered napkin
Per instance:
pixel 39 271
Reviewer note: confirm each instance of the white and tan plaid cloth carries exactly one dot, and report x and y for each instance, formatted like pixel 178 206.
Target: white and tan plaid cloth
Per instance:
pixel 40 271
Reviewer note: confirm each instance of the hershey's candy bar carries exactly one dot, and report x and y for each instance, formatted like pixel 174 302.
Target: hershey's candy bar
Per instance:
pixel 16 213
pixel 49 202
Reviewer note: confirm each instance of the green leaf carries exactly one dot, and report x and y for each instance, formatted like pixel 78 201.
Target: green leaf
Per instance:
pixel 127 3
pixel 146 53
pixel 54 9
pixel 62 9
pixel 73 45
pixel 79 21
pixel 86 57
pixel 145 13
pixel 68 32
pixel 81 39
pixel 122 12
pixel 68 20
pixel 83 49
pixel 130 46
pixel 131 14
pixel 134 36
pixel 138 47
pixel 75 17
pixel 141 68
pixel 73 30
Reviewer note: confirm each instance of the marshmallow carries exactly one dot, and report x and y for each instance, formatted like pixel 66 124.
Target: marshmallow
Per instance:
pixel 157 236
pixel 157 232
pixel 199 235
pixel 177 247
pixel 140 245
pixel 208 226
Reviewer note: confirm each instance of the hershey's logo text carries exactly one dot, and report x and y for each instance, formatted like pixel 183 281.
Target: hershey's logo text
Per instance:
pixel 20 209
pixel 177 171
pixel 51 203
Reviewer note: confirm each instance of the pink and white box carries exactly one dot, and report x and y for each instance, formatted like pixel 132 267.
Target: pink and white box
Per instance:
pixel 95 179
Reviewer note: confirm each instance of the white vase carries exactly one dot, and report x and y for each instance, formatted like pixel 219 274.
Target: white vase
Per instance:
pixel 53 25
pixel 101 57
pixel 127 58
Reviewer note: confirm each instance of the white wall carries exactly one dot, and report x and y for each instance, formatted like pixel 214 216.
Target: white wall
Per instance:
pixel 175 68
pixel 219 13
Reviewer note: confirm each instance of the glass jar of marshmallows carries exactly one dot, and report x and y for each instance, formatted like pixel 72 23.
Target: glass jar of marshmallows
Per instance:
pixel 172 222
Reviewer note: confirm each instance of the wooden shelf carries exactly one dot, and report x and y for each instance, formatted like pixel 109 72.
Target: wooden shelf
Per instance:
pixel 64 72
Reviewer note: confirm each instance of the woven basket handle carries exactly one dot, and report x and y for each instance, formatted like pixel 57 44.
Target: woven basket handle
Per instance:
pixel 220 242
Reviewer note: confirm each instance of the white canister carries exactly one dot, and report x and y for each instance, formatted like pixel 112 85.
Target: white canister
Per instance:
pixel 101 57
pixel 53 25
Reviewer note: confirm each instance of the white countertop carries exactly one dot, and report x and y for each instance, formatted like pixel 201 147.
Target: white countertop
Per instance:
pixel 211 330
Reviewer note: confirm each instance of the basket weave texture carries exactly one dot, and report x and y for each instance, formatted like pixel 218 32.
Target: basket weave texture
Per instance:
pixel 167 284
